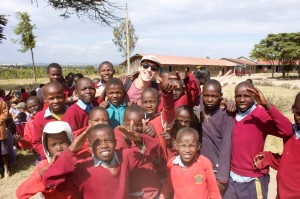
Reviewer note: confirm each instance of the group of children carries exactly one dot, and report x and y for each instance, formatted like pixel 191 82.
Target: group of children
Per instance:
pixel 134 138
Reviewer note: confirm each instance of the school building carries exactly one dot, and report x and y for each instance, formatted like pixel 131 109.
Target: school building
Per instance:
pixel 178 63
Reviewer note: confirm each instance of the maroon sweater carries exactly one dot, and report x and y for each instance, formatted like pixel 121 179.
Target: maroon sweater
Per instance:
pixel 76 117
pixel 144 178
pixel 249 136
pixel 39 123
pixel 97 182
pixel 288 176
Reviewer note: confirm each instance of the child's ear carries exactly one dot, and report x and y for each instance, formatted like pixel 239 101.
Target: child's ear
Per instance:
pixel 90 148
pixel 75 92
pixel 176 145
pixel 89 123
pixel 199 146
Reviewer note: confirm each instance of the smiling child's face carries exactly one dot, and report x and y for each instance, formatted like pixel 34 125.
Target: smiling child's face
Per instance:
pixel 187 146
pixel 102 143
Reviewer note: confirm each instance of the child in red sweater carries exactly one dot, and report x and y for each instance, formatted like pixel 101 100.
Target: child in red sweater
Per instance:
pixel 189 175
pixel 144 182
pixel 252 123
pixel 57 136
pixel 107 169
pixel 287 164
pixel 21 142
pixel 77 115
pixel 98 115
pixel 54 97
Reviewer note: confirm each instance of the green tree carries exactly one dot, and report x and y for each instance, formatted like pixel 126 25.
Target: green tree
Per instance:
pixel 99 11
pixel 3 22
pixel 24 29
pixel 283 48
pixel 120 37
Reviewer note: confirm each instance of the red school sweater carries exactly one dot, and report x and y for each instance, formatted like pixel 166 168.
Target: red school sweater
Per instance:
pixel 167 116
pixel 249 136
pixel 34 184
pixel 144 178
pixel 97 182
pixel 195 181
pixel 288 176
pixel 39 123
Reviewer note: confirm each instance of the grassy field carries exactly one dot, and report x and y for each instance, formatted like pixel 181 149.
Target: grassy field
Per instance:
pixel 281 96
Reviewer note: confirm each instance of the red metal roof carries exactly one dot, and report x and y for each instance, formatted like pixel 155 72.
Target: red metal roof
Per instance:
pixel 178 60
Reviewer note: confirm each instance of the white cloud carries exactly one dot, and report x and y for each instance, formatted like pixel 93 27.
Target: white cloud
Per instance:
pixel 216 28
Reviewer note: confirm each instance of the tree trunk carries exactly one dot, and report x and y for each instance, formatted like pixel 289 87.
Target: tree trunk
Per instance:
pixel 33 66
pixel 273 69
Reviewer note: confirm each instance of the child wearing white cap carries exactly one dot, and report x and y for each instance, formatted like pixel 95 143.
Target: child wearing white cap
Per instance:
pixel 57 136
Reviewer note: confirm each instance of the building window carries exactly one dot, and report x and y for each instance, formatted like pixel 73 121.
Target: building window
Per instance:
pixel 170 68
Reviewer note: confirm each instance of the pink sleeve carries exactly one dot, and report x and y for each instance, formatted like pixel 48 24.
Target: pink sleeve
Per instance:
pixel 168 112
pixel 37 138
pixel 33 184
pixel 192 91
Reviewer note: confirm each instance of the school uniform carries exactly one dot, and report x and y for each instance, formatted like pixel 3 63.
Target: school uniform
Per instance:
pixel 217 129
pixel 288 175
pixel 41 119
pixel 94 178
pixel 77 114
pixel 144 180
pixel 196 181
pixel 249 133
pixel 34 184
pixel 23 143
pixel 167 116
pixel 28 130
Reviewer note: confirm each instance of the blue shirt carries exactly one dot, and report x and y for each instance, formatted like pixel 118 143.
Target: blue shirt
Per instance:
pixel 98 162
pixel 83 105
pixel 116 114
pixel 242 115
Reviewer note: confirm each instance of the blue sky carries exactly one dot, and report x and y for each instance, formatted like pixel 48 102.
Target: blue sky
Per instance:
pixel 195 28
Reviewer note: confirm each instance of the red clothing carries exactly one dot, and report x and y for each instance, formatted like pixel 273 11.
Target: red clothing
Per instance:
pixel 85 151
pixel 145 178
pixel 97 181
pixel 34 184
pixel 28 130
pixel 195 181
pixel 167 116
pixel 76 117
pixel 22 143
pixel 38 126
pixel 24 96
pixel 192 96
pixel 288 176
pixel 249 136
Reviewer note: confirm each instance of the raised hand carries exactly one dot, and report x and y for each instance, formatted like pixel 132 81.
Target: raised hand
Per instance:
pixel 131 103
pixel 229 105
pixel 165 85
pixel 225 78
pixel 131 133
pixel 43 170
pixel 260 98
pixel 148 129
pixel 78 143
pixel 105 103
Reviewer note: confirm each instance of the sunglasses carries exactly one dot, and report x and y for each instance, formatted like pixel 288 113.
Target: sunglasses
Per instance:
pixel 153 67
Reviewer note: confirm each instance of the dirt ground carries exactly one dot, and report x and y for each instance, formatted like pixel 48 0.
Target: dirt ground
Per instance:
pixel 282 94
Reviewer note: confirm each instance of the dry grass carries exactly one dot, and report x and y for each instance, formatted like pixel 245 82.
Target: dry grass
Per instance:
pixel 281 97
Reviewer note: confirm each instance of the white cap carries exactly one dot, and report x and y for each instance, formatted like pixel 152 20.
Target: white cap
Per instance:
pixel 56 127
pixel 151 58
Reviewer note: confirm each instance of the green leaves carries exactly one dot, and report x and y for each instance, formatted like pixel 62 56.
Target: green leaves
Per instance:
pixel 119 40
pixel 3 22
pixel 283 48
pixel 24 29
